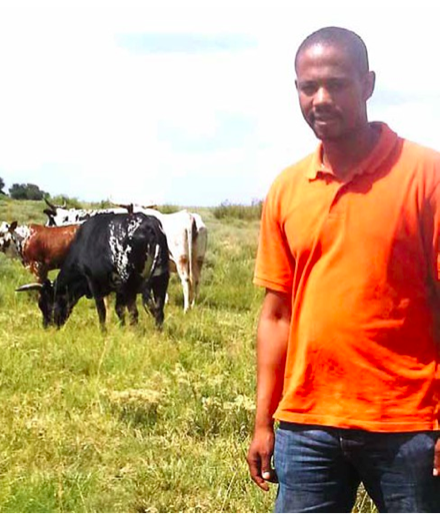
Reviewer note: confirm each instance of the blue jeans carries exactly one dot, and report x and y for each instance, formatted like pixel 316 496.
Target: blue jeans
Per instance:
pixel 320 468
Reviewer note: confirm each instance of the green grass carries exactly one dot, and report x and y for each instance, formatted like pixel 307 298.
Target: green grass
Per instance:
pixel 133 420
pixel 232 211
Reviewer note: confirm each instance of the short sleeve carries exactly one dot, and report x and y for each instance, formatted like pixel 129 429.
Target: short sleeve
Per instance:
pixel 274 265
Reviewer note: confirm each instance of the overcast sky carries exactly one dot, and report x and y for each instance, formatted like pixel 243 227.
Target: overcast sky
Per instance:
pixel 189 102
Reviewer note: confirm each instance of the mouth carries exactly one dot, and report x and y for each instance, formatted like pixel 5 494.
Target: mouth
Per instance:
pixel 326 118
pixel 325 122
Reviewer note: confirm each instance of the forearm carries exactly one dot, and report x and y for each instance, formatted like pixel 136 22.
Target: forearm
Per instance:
pixel 272 338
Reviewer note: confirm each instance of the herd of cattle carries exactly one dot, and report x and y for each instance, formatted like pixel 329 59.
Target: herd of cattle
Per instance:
pixel 128 250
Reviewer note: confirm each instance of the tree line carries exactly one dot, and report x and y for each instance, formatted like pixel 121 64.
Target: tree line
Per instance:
pixel 23 191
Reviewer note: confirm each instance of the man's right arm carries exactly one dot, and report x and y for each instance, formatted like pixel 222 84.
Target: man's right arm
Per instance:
pixel 272 338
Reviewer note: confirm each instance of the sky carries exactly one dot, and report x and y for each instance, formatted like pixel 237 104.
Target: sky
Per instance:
pixel 189 102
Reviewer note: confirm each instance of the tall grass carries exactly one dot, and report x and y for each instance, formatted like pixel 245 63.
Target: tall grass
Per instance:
pixel 133 420
pixel 228 211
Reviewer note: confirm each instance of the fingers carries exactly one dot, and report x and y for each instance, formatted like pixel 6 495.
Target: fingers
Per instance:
pixel 259 457
pixel 255 469
pixel 270 476
pixel 436 468
pixel 260 468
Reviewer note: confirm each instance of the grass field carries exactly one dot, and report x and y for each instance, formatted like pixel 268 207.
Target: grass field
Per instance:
pixel 133 420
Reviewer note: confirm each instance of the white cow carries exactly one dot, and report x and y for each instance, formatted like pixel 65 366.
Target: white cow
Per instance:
pixel 186 236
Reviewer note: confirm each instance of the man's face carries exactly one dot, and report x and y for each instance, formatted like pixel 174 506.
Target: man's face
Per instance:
pixel 332 92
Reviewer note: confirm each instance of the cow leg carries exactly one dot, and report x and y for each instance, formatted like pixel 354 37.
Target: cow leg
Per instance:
pixel 191 297
pixel 155 298
pixel 184 279
pixel 183 272
pixel 186 294
pixel 120 308
pixel 148 300
pixel 132 309
pixel 197 273
pixel 100 307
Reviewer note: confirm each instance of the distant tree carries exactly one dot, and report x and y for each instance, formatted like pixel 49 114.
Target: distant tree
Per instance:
pixel 2 185
pixel 26 192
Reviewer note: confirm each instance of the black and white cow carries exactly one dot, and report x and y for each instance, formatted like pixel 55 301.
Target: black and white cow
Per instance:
pixel 186 234
pixel 122 253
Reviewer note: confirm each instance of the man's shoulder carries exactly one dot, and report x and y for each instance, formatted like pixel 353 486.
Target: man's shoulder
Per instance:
pixel 422 164
pixel 420 153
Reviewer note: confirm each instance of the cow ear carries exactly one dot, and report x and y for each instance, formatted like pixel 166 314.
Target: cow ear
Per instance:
pixel 13 226
pixel 30 287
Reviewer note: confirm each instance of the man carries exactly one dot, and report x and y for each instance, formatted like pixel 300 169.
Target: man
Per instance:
pixel 348 348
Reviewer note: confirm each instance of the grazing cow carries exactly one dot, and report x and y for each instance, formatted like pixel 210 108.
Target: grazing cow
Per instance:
pixel 186 236
pixel 122 253
pixel 40 248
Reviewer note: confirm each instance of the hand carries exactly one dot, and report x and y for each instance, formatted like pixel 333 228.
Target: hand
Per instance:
pixel 436 469
pixel 259 458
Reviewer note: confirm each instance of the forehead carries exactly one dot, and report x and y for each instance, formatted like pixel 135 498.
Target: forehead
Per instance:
pixel 319 59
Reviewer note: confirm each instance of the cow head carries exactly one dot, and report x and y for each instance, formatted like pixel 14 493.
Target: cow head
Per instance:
pixel 6 231
pixel 54 304
pixel 52 212
pixel 45 299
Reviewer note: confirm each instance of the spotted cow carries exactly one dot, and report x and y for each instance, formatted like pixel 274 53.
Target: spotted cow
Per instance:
pixel 122 253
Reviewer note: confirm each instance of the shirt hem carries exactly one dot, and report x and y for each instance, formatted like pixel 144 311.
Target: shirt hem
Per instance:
pixel 356 424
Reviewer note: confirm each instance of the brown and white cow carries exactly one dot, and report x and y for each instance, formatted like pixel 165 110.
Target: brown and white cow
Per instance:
pixel 40 248
pixel 186 237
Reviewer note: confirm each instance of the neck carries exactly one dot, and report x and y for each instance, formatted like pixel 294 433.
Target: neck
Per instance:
pixel 342 156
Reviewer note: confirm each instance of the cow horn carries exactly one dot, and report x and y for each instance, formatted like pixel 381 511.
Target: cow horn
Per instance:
pixel 51 205
pixel 55 207
pixel 129 207
pixel 29 287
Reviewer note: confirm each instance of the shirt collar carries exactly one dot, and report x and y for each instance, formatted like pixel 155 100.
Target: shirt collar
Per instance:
pixel 370 164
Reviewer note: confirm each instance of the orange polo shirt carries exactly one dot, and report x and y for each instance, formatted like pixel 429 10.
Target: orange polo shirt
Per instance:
pixel 361 259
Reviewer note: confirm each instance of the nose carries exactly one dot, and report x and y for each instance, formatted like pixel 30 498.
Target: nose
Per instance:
pixel 322 96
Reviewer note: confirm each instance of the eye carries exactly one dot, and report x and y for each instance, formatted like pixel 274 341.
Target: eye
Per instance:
pixel 307 88
pixel 336 85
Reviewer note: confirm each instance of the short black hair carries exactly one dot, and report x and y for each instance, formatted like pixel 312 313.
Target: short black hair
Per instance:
pixel 343 38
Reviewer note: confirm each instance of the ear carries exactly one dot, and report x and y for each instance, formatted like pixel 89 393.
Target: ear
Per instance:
pixel 13 226
pixel 369 83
